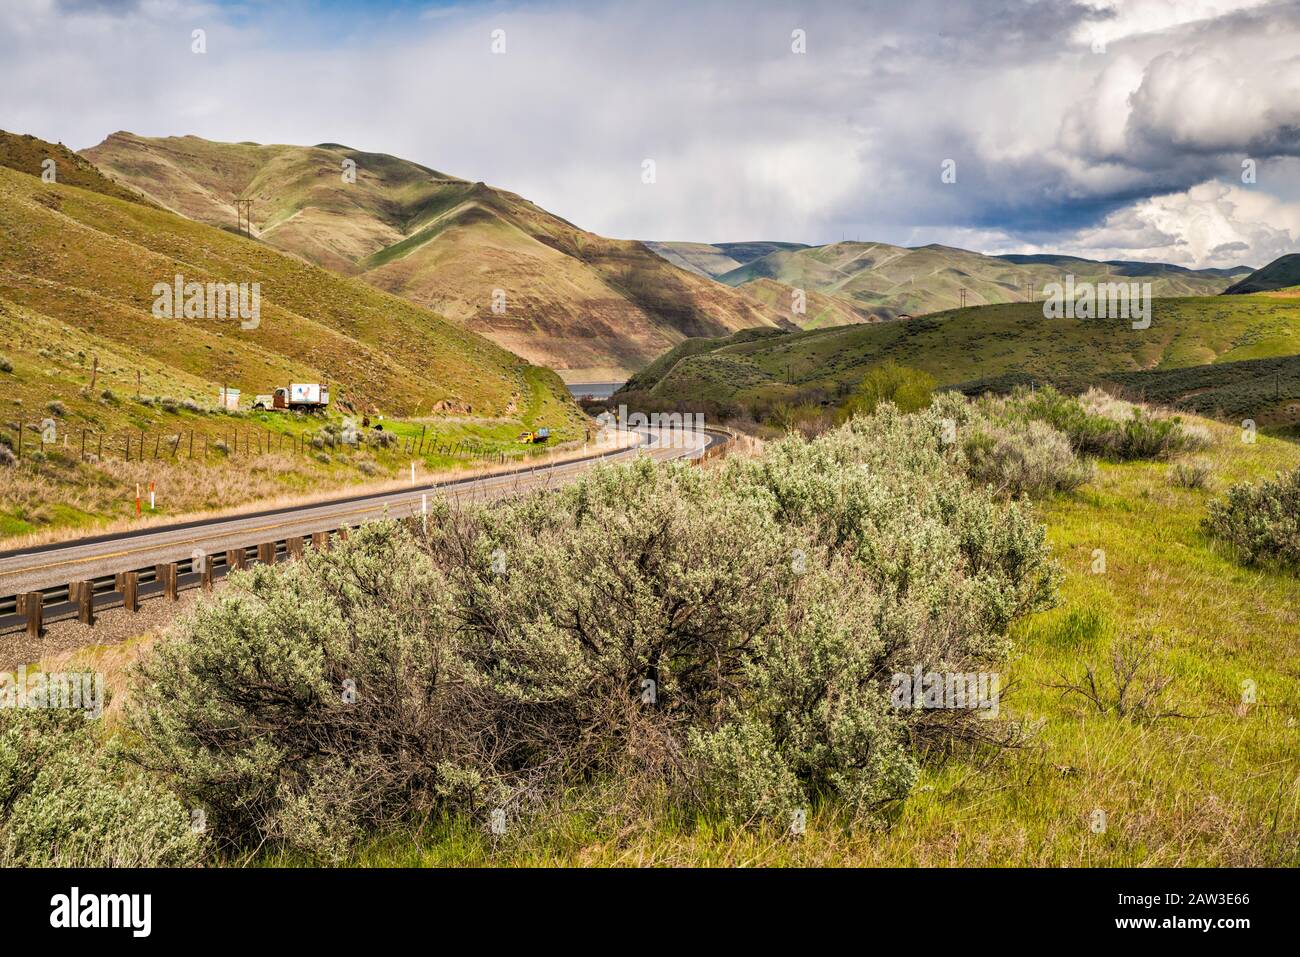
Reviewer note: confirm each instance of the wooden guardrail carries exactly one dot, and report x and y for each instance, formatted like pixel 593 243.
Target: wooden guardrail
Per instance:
pixel 85 600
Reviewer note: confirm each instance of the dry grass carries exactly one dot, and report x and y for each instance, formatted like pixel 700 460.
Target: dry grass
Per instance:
pixel 187 491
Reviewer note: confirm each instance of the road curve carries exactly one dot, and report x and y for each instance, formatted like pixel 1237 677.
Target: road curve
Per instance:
pixel 57 564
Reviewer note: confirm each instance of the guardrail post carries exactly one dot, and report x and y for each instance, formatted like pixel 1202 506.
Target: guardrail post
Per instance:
pixel 205 572
pixel 343 534
pixel 293 547
pixel 166 573
pixel 266 553
pixel 320 541
pixel 235 558
pixel 128 583
pixel 83 593
pixel 32 607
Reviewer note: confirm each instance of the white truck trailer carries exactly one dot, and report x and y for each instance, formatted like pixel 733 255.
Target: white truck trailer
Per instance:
pixel 298 397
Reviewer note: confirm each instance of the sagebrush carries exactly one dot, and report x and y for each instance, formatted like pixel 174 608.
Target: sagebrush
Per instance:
pixel 722 637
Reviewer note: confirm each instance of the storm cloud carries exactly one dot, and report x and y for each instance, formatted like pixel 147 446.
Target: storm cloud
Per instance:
pixel 1150 129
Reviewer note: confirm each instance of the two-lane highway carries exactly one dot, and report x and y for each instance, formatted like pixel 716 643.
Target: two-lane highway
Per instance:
pixel 49 566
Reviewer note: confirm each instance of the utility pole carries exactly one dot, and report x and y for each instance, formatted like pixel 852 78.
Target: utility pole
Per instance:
pixel 244 216
pixel 963 297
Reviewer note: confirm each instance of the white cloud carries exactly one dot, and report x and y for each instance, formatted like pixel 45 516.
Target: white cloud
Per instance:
pixel 1213 224
pixel 1053 143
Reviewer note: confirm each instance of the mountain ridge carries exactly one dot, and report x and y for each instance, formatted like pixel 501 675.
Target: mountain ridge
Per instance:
pixel 590 307
pixel 1281 273
pixel 884 281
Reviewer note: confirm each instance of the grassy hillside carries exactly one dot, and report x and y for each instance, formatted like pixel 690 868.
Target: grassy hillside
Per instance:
pixel 714 259
pixel 819 311
pixel 79 345
pixel 27 154
pixel 877 279
pixel 980 345
pixel 896 279
pixel 1281 273
pixel 590 307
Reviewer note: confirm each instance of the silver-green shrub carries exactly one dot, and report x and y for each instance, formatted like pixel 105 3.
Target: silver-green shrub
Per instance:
pixel 307 702
pixel 1260 521
pixel 67 801
pixel 727 637
pixel 1018 457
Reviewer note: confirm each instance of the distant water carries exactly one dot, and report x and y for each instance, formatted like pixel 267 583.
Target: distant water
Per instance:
pixel 597 390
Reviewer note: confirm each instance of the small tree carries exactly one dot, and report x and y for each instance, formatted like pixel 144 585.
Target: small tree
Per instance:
pixel 909 389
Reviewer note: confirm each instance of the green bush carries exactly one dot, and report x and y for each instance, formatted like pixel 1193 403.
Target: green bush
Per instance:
pixel 66 801
pixel 308 701
pixel 909 390
pixel 726 636
pixel 1261 522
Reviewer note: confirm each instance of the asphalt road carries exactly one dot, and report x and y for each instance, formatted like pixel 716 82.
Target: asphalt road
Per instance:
pixel 79 560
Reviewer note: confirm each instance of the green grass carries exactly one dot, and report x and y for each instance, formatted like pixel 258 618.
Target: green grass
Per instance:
pixel 977 347
pixel 77 270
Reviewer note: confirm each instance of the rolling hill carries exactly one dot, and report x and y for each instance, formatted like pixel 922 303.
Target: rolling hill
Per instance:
pixel 77 271
pixel 991 347
pixel 27 154
pixel 1281 273
pixel 714 259
pixel 590 307
pixel 884 281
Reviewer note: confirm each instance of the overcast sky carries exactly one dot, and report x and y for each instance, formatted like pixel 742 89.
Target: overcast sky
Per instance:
pixel 1106 128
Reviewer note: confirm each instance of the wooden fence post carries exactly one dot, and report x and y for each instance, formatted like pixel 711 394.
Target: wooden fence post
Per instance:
pixel 83 593
pixel 293 547
pixel 205 572
pixel 266 553
pixel 33 608
pixel 128 583
pixel 235 558
pixel 166 573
